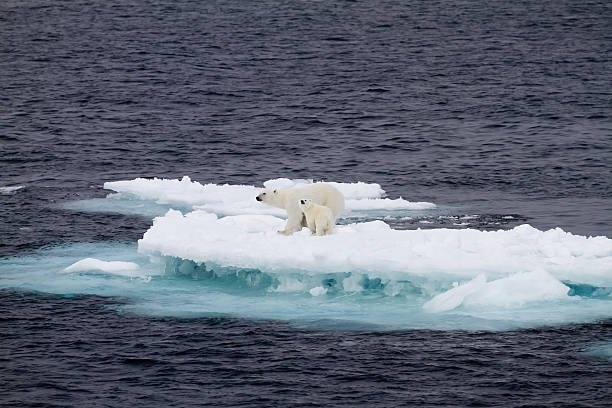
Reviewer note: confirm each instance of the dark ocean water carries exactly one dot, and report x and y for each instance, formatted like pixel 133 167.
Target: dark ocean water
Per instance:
pixel 493 108
pixel 59 357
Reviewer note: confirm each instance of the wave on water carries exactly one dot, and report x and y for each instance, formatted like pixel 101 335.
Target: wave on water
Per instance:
pixel 216 250
pixel 9 189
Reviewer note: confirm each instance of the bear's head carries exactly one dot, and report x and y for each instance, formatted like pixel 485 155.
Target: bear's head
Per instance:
pixel 305 204
pixel 270 196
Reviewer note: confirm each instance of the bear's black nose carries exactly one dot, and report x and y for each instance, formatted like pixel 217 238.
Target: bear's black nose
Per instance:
pixel 258 198
pixel 302 201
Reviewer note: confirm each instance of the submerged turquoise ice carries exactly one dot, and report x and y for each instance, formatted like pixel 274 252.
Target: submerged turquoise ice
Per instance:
pixel 601 349
pixel 195 262
pixel 170 286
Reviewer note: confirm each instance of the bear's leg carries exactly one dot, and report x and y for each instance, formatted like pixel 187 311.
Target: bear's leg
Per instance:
pixel 295 217
pixel 320 226
pixel 326 227
pixel 304 221
pixel 310 223
pixel 293 225
pixel 289 230
pixel 331 225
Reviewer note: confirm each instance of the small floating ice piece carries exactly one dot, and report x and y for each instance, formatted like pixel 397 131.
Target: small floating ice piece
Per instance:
pixel 10 189
pixel 112 267
pixel 318 291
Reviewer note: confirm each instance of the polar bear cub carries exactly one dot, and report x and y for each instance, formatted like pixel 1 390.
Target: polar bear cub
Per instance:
pixel 319 218
pixel 288 199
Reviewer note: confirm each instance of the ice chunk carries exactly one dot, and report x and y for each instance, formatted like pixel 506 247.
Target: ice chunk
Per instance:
pixel 10 189
pixel 455 296
pixel 512 291
pixel 352 283
pixel 517 290
pixel 318 291
pixel 111 267
pixel 288 284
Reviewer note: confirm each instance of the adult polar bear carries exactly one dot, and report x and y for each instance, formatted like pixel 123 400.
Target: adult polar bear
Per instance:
pixel 289 199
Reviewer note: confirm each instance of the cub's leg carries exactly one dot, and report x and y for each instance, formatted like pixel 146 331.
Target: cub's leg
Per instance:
pixel 311 223
pixel 322 226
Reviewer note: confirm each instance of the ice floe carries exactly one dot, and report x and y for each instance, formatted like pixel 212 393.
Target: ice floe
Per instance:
pixel 213 249
pixel 373 248
pixel 228 199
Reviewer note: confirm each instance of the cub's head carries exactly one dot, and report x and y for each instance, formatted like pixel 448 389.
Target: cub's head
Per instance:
pixel 305 204
pixel 270 196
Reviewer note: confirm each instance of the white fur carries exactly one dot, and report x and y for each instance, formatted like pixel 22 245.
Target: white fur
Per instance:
pixel 288 199
pixel 319 218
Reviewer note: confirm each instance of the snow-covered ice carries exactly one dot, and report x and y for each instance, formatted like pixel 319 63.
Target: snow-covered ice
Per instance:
pixel 228 199
pixel 373 248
